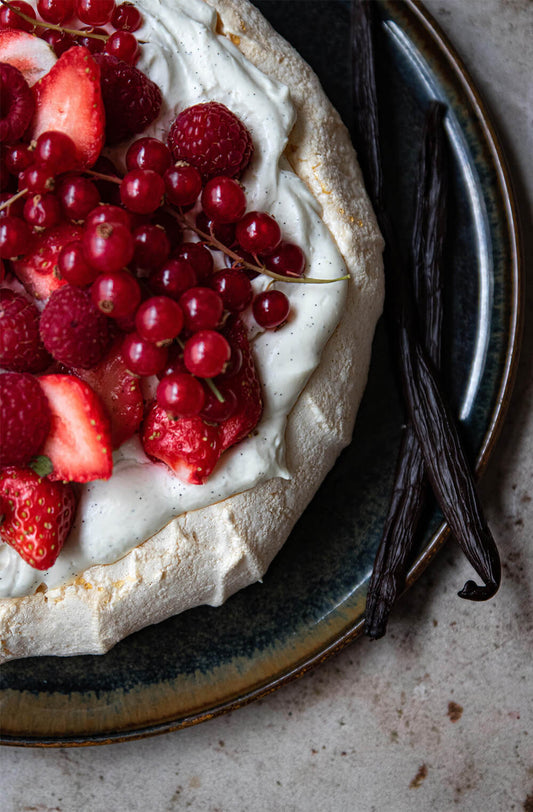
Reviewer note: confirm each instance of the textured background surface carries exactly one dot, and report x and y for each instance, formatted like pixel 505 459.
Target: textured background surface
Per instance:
pixel 436 715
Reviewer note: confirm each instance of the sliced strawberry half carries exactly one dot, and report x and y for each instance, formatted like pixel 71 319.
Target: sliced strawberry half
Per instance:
pixel 31 55
pixel 37 515
pixel 246 386
pixel 189 446
pixel 119 391
pixel 69 99
pixel 38 269
pixel 79 443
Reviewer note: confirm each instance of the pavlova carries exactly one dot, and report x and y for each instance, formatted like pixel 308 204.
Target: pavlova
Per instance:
pixel 191 277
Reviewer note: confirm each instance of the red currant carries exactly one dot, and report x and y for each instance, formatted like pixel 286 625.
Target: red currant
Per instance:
pixel 37 179
pixel 56 11
pixel 234 288
pixel 183 184
pixel 216 411
pixel 126 17
pixel 107 213
pixel 180 395
pixel 74 267
pixel 173 278
pixel 159 319
pixel 223 200
pixel 223 232
pixel 206 353
pixel 202 308
pixel 288 260
pixel 10 19
pixel 15 237
pixel 151 247
pixel 124 46
pixel 148 153
pixel 93 44
pixel 142 357
pixel 116 294
pixel 15 208
pixel 95 12
pixel 142 190
pixel 18 158
pixel 56 151
pixel 78 197
pixel 174 363
pixel 59 41
pixel 199 256
pixel 108 247
pixel 271 309
pixel 258 233
pixel 42 211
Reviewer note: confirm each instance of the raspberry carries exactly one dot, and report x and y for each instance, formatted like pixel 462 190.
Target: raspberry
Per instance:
pixel 21 348
pixel 73 330
pixel 211 138
pixel 131 100
pixel 17 104
pixel 24 418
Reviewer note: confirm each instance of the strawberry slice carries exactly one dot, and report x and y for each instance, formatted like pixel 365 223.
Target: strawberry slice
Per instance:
pixel 246 386
pixel 119 391
pixel 189 446
pixel 37 515
pixel 69 99
pixel 79 443
pixel 38 269
pixel 31 55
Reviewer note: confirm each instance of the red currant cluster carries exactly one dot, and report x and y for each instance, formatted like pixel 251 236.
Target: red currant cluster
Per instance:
pixel 125 18
pixel 132 262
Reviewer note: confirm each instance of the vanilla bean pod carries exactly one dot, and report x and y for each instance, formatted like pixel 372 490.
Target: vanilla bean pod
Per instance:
pixel 444 458
pixel 398 542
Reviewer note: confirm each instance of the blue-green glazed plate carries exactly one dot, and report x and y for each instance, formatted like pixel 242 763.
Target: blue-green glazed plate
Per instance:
pixel 311 602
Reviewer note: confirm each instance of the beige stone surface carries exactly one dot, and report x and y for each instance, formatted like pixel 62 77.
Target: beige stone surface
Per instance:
pixel 437 715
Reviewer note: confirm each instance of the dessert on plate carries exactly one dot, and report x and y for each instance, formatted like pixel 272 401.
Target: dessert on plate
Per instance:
pixel 192 271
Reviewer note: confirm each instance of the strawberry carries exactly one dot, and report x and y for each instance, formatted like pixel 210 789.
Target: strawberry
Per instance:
pixel 246 386
pixel 36 515
pixel 189 446
pixel 31 55
pixel 79 442
pixel 38 269
pixel 192 446
pixel 68 98
pixel 119 391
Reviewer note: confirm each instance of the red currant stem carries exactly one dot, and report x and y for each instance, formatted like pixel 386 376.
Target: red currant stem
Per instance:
pixel 55 27
pixel 212 240
pixel 99 175
pixel 12 199
pixel 209 381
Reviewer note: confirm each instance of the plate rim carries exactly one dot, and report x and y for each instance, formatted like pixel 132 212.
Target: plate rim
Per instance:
pixel 516 279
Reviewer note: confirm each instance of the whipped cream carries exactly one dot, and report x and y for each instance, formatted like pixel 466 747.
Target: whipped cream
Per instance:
pixel 191 63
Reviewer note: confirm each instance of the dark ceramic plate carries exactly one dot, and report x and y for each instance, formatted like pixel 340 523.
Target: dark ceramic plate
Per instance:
pixel 207 661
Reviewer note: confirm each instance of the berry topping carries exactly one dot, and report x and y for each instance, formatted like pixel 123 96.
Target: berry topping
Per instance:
pixel 39 270
pixel 159 319
pixel 199 256
pixel 234 288
pixel 183 184
pixel 116 294
pixel 288 260
pixel 32 56
pixel 124 46
pixel 37 515
pixel 131 100
pixel 15 236
pixel 56 11
pixel 223 200
pixel 151 247
pixel 78 196
pixel 142 190
pixel 119 391
pixel 202 308
pixel 73 330
pixel 206 354
pixel 142 357
pixel 10 18
pixel 16 104
pixel 24 418
pixel 189 446
pixel 258 233
pixel 173 278
pixel 271 309
pixel 21 348
pixel 149 153
pixel 42 211
pixel 79 442
pixel 245 384
pixel 73 267
pixel 126 17
pixel 95 12
pixel 56 151
pixel 180 395
pixel 59 41
pixel 212 138
pixel 69 99
pixel 108 247
pixel 94 45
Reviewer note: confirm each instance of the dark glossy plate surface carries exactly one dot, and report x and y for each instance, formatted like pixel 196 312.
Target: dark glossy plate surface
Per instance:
pixel 209 660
